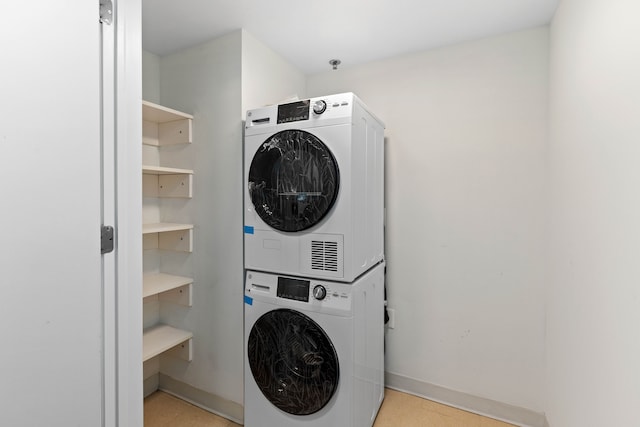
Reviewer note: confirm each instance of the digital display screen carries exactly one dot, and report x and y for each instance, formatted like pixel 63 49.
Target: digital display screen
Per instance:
pixel 294 289
pixel 293 112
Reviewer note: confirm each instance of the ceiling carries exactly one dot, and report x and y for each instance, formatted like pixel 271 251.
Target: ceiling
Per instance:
pixel 308 33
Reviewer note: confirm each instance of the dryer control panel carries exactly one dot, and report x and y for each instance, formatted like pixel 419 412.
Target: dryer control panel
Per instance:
pixel 331 109
pixel 299 293
pixel 293 112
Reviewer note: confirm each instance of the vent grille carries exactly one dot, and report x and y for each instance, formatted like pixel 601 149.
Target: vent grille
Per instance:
pixel 324 255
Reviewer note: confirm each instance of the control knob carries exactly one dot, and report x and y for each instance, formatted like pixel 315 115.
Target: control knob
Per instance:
pixel 319 292
pixel 319 106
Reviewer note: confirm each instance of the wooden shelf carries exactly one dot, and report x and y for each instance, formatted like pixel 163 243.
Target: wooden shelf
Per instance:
pixel 168 288
pixel 161 114
pixel 159 181
pixel 161 170
pixel 157 283
pixel 163 126
pixel 168 237
pixel 163 227
pixel 162 338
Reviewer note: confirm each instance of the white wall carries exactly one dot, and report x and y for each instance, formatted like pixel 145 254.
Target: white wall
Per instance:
pixel 215 81
pixel 267 78
pixel 466 139
pixel 205 81
pixel 151 81
pixel 593 345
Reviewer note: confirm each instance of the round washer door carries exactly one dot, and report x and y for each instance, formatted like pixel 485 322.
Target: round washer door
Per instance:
pixel 293 361
pixel 293 180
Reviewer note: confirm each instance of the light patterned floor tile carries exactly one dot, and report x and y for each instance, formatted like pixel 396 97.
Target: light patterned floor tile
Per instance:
pixel 398 410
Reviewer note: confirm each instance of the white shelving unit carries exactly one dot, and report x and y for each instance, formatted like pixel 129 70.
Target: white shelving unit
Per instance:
pixel 163 127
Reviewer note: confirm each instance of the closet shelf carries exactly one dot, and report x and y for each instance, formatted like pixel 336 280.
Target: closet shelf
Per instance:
pixel 159 181
pixel 161 170
pixel 161 114
pixel 163 227
pixel 161 338
pixel 163 126
pixel 168 237
pixel 157 283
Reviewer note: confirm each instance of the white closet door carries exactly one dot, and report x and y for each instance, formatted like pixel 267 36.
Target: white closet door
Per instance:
pixel 51 363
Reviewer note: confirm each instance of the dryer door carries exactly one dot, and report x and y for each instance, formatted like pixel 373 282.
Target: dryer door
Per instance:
pixel 293 180
pixel 293 361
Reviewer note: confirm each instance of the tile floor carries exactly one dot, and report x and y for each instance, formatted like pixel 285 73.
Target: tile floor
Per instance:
pixel 398 410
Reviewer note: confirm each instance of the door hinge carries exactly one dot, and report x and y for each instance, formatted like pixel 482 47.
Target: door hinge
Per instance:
pixel 106 239
pixel 106 12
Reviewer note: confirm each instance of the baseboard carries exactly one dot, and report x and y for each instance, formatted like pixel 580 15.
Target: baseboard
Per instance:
pixel 209 402
pixel 478 405
pixel 150 385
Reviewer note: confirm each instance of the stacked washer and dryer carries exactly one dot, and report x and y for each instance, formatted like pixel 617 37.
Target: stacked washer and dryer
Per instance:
pixel 314 264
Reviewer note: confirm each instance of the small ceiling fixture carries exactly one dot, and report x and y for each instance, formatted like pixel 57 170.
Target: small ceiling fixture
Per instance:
pixel 334 63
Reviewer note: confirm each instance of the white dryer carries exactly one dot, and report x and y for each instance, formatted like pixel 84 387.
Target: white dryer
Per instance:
pixel 314 351
pixel 314 188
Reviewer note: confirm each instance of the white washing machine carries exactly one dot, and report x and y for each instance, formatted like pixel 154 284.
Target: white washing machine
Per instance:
pixel 314 188
pixel 314 351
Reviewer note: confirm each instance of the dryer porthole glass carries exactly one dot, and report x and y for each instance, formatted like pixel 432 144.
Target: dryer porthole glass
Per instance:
pixel 293 180
pixel 293 361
